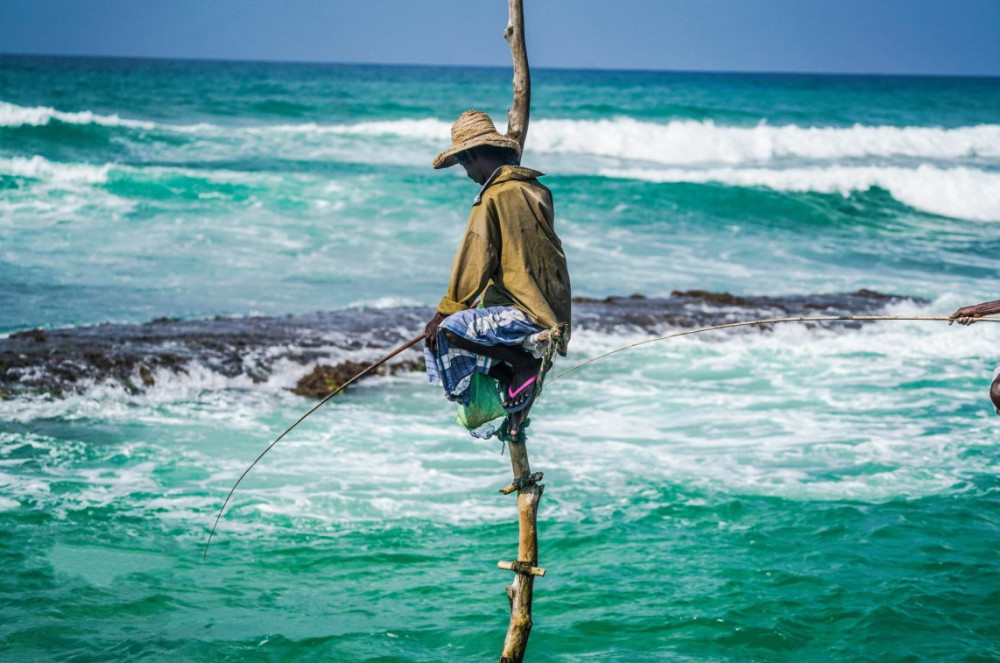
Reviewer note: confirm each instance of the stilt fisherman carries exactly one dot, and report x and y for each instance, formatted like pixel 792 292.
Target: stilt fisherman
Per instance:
pixel 511 260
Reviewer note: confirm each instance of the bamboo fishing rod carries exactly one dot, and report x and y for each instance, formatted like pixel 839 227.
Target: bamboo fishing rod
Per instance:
pixel 413 341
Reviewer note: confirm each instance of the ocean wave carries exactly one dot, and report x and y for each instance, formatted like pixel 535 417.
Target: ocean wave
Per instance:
pixel 690 142
pixel 679 142
pixel 959 192
pixel 425 129
pixel 12 115
pixel 40 168
pixel 684 142
pixel 963 193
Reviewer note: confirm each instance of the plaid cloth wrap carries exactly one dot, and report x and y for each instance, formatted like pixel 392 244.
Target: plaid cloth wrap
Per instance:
pixel 497 325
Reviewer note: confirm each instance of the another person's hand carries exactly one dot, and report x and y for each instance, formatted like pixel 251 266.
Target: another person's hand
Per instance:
pixel 430 331
pixel 965 315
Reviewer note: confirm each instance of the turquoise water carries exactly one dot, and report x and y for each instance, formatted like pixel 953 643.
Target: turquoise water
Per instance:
pixel 797 495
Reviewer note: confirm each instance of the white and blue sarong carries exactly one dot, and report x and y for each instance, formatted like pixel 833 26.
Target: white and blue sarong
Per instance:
pixel 453 367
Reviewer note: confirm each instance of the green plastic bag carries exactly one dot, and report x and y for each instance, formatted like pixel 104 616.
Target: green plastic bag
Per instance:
pixel 484 403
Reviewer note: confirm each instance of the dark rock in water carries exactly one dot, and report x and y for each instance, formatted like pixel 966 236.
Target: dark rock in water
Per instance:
pixel 35 335
pixel 336 345
pixel 323 379
pixel 721 298
pixel 58 361
pixel 700 308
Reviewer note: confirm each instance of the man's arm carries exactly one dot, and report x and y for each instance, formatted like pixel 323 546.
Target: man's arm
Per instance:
pixel 968 314
pixel 475 262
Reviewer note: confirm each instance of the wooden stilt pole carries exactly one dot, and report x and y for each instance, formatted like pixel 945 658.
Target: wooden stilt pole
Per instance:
pixel 529 492
pixel 517 116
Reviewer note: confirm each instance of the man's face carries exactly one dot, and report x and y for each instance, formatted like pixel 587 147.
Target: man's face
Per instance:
pixel 475 168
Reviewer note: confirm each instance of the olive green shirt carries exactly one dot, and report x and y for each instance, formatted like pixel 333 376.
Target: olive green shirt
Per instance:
pixel 510 254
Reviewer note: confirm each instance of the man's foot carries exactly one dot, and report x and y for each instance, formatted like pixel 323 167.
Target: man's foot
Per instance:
pixel 514 421
pixel 521 388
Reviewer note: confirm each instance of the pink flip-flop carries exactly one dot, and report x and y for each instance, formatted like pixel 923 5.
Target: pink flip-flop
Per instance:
pixel 511 395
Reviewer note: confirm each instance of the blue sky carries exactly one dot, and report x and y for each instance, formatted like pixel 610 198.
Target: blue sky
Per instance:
pixel 951 37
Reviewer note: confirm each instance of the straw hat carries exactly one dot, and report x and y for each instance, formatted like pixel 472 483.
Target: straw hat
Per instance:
pixel 472 129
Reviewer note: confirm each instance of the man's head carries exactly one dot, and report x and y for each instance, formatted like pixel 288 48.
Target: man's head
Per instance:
pixel 477 145
pixel 480 162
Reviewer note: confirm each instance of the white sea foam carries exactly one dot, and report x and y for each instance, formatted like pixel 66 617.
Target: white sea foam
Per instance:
pixel 960 192
pixel 40 168
pixel 686 142
pixel 386 302
pixel 857 414
pixel 196 383
pixel 804 414
pixel 12 115
pixel 866 414
pixel 678 142
pixel 420 129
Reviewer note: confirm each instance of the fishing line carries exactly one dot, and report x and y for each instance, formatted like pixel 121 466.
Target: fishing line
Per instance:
pixel 768 321
pixel 333 393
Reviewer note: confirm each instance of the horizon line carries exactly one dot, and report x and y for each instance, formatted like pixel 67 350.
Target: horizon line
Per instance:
pixel 497 67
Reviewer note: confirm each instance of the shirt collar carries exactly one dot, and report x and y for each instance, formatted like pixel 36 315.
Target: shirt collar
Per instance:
pixel 489 180
pixel 504 173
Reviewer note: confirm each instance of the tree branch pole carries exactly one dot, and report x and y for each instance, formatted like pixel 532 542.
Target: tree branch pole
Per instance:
pixel 517 116
pixel 519 592
pixel 529 491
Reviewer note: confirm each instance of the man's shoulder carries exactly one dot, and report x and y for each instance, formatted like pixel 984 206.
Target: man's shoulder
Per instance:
pixel 517 174
pixel 514 178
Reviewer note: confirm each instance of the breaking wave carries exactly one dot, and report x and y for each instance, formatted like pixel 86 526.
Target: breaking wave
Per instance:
pixel 680 142
pixel 690 142
pixel 42 169
pixel 964 193
pixel 955 173
pixel 685 142
pixel 12 115
pixel 959 192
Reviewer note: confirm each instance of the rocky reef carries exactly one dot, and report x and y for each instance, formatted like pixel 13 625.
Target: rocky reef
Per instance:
pixel 332 346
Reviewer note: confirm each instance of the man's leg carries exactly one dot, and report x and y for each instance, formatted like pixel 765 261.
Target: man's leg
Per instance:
pixel 523 366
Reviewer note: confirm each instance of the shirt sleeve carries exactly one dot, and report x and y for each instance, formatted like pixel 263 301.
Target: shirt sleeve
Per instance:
pixel 475 261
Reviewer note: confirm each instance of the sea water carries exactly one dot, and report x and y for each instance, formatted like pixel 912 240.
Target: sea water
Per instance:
pixel 803 494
